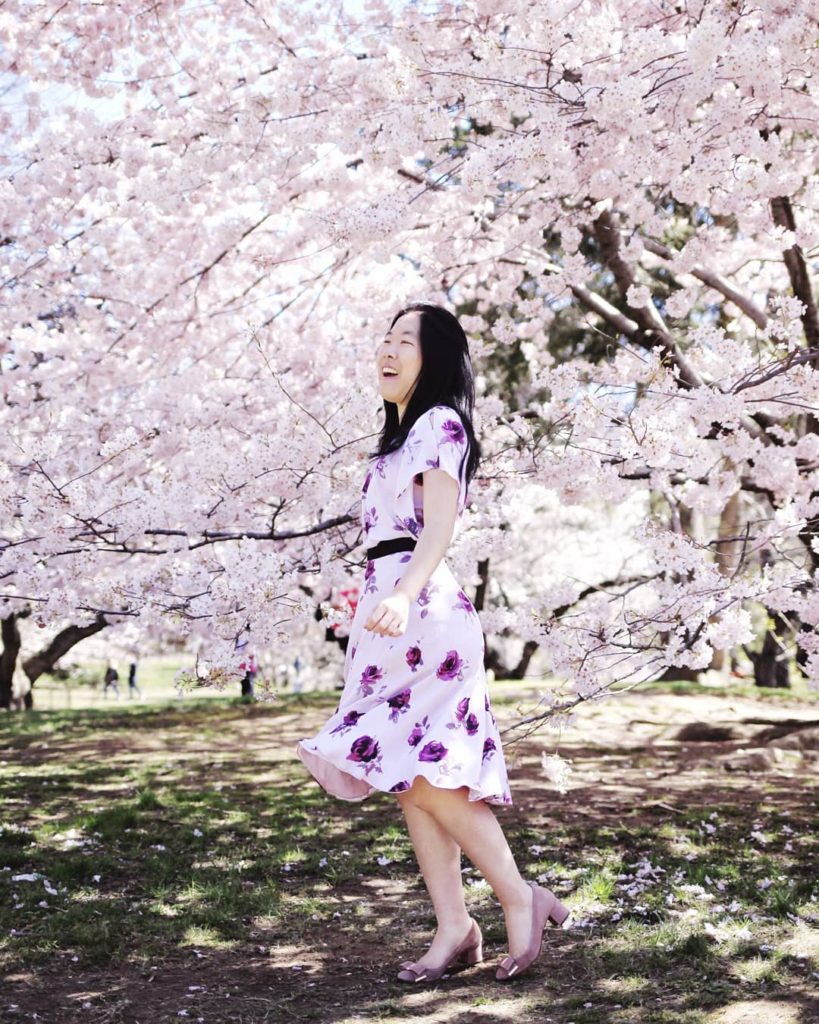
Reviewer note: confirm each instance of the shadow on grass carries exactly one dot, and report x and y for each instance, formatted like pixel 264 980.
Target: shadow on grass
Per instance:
pixel 229 885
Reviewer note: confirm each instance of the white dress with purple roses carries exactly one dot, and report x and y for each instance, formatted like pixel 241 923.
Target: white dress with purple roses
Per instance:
pixel 416 704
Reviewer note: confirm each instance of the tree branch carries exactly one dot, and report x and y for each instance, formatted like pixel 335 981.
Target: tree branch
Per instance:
pixel 783 217
pixel 60 645
pixel 716 282
pixel 611 314
pixel 651 325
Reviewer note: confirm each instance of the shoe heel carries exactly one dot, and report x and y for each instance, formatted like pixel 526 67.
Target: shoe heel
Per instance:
pixel 473 955
pixel 558 913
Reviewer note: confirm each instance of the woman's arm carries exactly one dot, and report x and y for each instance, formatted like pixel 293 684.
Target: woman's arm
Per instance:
pixel 440 513
pixel 441 491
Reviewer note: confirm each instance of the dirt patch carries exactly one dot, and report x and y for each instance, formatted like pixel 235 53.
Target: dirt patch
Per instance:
pixel 754 1011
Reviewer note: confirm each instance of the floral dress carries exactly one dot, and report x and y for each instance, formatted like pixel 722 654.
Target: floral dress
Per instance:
pixel 414 705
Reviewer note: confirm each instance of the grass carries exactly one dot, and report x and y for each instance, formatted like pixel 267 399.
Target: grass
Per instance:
pixel 163 837
pixel 736 687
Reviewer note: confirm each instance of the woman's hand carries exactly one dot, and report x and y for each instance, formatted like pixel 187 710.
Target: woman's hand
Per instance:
pixel 390 616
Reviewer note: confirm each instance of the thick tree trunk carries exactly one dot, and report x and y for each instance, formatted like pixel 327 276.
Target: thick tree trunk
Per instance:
pixel 8 657
pixel 61 644
pixel 493 661
pixel 489 653
pixel 770 670
pixel 480 590
pixel 801 658
pixel 771 662
pixel 43 660
pixel 492 658
pixel 728 552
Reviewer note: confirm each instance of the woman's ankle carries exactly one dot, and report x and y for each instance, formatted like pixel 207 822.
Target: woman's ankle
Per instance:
pixel 455 925
pixel 520 898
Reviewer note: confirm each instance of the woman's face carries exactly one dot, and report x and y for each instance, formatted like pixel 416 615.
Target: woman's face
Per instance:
pixel 398 360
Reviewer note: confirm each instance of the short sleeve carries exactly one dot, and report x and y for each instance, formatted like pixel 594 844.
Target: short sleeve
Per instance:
pixel 437 440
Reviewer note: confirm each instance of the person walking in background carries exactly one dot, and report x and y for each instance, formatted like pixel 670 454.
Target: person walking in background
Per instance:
pixel 247 666
pixel 249 678
pixel 343 600
pixel 110 679
pixel 133 688
pixel 298 666
pixel 414 718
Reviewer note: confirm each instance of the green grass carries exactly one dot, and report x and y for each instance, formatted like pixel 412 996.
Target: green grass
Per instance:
pixel 180 830
pixel 732 687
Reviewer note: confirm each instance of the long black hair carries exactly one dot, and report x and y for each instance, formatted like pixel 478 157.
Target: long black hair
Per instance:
pixel 445 379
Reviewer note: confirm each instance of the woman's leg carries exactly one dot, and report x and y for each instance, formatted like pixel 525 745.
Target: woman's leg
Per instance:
pixel 439 858
pixel 472 826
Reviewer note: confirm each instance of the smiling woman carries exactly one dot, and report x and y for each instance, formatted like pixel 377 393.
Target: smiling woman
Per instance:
pixel 398 361
pixel 414 718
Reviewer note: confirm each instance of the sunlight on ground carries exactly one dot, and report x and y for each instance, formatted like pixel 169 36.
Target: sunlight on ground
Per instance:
pixel 206 938
pixel 757 1011
pixel 804 944
pixel 186 840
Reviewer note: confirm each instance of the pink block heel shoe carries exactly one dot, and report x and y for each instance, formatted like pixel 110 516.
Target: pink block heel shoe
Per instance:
pixel 470 951
pixel 546 907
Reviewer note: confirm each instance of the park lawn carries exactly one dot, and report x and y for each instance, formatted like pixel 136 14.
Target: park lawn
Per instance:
pixel 172 861
pixel 83 689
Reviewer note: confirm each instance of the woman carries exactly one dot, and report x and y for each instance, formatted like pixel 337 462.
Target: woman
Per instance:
pixel 414 718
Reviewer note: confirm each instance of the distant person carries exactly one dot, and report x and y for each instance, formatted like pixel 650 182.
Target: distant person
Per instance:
pixel 298 665
pixel 345 601
pixel 133 688
pixel 249 678
pixel 110 679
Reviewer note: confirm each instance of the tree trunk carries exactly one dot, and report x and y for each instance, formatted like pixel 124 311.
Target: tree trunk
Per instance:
pixel 502 670
pixel 728 552
pixel 43 660
pixel 480 590
pixel 771 662
pixel 61 644
pixel 8 658
pixel 492 659
pixel 681 673
pixel 489 653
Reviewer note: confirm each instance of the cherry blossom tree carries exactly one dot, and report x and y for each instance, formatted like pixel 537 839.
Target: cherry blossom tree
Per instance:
pixel 210 213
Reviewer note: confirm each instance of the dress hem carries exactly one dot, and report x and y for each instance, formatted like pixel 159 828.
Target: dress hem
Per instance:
pixel 325 772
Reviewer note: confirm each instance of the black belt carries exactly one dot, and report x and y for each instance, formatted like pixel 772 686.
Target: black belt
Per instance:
pixel 389 547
